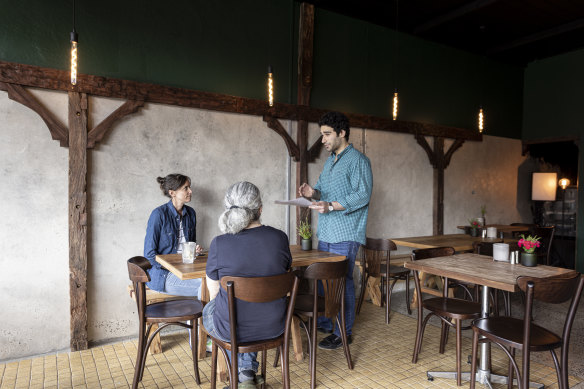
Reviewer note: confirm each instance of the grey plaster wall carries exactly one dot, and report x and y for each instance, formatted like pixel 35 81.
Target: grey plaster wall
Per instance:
pixel 215 150
pixel 34 236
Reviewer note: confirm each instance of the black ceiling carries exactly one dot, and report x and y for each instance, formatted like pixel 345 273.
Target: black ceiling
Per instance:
pixel 512 31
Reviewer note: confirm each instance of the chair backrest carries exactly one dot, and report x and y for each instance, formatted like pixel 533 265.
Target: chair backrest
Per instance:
pixel 332 275
pixel 483 248
pixel 547 236
pixel 138 272
pixel 554 290
pixel 259 290
pixel 432 253
pixel 426 254
pixel 374 252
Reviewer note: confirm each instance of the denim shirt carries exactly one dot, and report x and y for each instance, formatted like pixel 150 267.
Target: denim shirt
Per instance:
pixel 162 235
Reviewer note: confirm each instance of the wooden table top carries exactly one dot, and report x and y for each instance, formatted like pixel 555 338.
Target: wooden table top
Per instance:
pixel 186 271
pixel 502 227
pixel 460 242
pixel 482 270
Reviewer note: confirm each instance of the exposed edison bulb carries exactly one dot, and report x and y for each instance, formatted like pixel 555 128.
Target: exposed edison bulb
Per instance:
pixel 481 120
pixel 564 182
pixel 270 86
pixel 395 102
pixel 73 58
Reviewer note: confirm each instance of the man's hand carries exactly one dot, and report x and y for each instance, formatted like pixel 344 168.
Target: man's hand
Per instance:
pixel 198 249
pixel 306 190
pixel 320 206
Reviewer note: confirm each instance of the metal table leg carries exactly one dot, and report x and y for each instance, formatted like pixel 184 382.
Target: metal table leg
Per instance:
pixel 484 375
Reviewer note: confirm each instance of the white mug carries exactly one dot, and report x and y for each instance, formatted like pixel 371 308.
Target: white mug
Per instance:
pixel 501 252
pixel 491 232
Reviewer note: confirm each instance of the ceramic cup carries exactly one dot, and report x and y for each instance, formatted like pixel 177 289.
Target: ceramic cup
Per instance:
pixel 491 232
pixel 501 252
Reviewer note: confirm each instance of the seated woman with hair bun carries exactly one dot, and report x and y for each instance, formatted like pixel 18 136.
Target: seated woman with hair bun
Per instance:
pixel 246 249
pixel 169 226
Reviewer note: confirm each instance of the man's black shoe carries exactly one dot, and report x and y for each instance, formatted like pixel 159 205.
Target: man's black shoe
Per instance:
pixel 333 342
pixel 324 330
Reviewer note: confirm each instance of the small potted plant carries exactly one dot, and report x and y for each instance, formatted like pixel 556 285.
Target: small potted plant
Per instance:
pixel 482 220
pixel 305 232
pixel 529 244
pixel 475 226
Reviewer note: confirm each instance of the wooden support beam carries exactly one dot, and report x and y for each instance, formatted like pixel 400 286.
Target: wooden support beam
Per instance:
pixel 439 161
pixel 56 128
pixel 305 55
pixel 78 219
pixel 438 188
pixel 46 78
pixel 314 150
pixel 275 125
pixel 99 131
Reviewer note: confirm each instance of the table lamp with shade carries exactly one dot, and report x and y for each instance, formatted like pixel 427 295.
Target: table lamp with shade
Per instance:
pixel 543 188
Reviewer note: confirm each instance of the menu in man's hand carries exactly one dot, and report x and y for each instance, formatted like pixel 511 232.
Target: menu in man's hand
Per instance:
pixel 299 202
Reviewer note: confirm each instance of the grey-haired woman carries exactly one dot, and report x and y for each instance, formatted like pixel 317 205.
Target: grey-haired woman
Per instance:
pixel 246 249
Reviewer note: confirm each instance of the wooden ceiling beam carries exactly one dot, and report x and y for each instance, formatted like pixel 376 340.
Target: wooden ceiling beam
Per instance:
pixel 575 25
pixel 454 14
pixel 54 79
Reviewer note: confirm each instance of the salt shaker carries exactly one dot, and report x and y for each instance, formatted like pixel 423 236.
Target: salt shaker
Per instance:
pixel 514 257
pixel 484 233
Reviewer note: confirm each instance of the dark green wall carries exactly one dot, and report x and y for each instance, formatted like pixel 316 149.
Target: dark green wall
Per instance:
pixel 225 46
pixel 221 46
pixel 553 97
pixel 356 69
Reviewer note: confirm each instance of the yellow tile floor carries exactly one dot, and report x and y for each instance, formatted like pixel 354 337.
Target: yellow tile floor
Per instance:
pixel 381 354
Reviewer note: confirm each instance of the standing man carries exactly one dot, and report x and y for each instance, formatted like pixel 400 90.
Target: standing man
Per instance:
pixel 341 196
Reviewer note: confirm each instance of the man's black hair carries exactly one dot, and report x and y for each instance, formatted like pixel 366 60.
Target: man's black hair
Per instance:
pixel 337 121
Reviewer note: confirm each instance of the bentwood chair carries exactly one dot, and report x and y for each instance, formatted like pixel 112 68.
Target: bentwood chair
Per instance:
pixel 512 334
pixel 375 263
pixel 332 305
pixel 180 312
pixel 448 310
pixel 530 226
pixel 547 237
pixel 255 290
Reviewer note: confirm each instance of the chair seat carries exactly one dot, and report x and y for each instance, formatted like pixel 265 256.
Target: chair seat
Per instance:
pixel 304 304
pixel 395 271
pixel 175 310
pixel 251 347
pixel 453 308
pixel 509 332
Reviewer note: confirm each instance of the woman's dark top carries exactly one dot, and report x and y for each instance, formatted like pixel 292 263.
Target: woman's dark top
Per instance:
pixel 254 252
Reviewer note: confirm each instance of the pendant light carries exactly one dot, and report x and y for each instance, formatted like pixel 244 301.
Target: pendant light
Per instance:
pixel 270 86
pixel 481 116
pixel 395 103
pixel 396 52
pixel 74 41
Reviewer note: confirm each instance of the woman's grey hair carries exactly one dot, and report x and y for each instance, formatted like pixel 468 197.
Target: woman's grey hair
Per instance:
pixel 242 204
